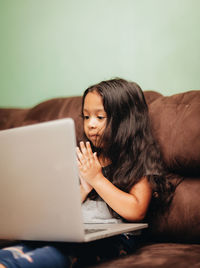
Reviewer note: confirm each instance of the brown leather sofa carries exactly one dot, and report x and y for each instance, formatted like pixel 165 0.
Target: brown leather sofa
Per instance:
pixel 173 238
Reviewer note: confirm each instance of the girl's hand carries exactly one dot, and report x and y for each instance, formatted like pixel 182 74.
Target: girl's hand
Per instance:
pixel 85 189
pixel 85 185
pixel 89 166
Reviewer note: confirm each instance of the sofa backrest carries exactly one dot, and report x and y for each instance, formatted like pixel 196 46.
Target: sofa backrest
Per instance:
pixel 176 126
pixel 175 122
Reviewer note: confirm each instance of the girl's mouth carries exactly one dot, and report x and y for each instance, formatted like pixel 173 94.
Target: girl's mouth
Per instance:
pixel 93 137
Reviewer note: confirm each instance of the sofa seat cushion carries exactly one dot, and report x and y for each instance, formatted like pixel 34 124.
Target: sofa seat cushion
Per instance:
pixel 163 255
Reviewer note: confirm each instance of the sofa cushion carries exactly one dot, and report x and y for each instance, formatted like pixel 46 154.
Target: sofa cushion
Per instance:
pixel 159 255
pixel 181 223
pixel 176 126
pixel 56 109
pixel 151 96
pixel 12 117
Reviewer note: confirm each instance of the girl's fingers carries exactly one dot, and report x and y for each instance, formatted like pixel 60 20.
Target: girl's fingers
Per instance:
pixel 83 148
pixel 85 154
pixel 79 155
pixel 95 157
pixel 78 162
pixel 86 150
pixel 82 158
pixel 89 149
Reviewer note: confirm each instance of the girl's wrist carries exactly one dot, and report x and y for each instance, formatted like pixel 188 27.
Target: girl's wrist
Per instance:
pixel 84 193
pixel 86 190
pixel 97 180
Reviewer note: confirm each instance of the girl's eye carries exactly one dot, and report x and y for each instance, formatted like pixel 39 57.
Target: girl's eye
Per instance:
pixel 100 117
pixel 85 117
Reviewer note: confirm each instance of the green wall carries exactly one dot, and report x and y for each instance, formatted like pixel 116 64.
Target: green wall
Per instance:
pixel 60 47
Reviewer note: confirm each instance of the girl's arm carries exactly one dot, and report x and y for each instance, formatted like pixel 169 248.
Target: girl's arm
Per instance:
pixel 131 206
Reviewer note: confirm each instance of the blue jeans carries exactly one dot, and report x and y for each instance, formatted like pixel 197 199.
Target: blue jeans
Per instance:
pixel 64 255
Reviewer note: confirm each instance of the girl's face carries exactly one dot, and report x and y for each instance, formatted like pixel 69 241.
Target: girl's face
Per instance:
pixel 95 117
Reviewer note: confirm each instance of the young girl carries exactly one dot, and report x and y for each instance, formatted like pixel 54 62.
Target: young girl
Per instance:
pixel 122 177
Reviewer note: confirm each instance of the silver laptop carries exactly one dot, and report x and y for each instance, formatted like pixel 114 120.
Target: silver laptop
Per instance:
pixel 39 186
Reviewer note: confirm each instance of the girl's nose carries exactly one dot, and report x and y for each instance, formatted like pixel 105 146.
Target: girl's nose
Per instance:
pixel 92 123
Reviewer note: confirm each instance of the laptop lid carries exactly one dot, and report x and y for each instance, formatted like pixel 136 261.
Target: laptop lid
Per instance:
pixel 39 193
pixel 39 186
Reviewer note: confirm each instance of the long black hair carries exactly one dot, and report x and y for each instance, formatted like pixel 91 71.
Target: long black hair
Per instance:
pixel 128 141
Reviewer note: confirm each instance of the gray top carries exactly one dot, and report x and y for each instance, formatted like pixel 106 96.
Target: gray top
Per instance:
pixel 96 211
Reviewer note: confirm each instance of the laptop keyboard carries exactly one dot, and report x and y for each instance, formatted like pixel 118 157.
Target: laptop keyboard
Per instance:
pixel 90 231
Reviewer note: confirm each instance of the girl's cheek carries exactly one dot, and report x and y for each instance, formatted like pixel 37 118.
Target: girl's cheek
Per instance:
pixel 85 127
pixel 85 131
